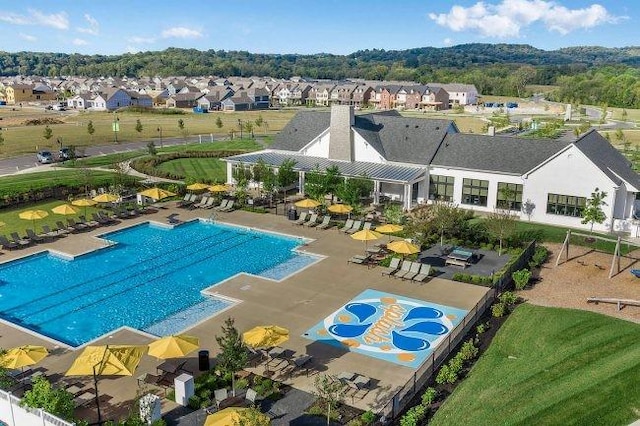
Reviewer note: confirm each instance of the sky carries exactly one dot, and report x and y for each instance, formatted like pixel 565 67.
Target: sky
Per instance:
pixel 310 26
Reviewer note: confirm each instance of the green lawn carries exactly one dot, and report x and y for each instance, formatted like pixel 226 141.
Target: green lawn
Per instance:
pixel 197 169
pixel 550 366
pixel 14 223
pixel 63 177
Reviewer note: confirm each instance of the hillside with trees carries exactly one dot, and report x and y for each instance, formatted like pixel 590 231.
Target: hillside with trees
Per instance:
pixel 501 69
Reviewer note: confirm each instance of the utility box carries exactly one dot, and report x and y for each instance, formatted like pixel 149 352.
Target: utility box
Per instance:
pixel 184 388
pixel 293 214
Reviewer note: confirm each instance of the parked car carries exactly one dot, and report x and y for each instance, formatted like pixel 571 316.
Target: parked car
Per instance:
pixel 64 154
pixel 45 157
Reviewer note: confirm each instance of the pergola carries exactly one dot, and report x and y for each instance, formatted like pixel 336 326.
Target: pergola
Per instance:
pixel 396 174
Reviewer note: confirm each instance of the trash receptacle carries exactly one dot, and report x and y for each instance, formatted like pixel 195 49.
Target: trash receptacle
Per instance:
pixel 203 361
pixel 293 214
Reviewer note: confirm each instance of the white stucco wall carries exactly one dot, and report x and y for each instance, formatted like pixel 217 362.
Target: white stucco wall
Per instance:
pixel 363 151
pixel 570 173
pixel 319 147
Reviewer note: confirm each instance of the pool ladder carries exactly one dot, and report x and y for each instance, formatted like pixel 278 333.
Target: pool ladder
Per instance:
pixel 213 218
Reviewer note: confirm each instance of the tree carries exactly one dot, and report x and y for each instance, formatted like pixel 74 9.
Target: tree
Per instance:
pixel 248 127
pixel 619 135
pixel 330 392
pixel 353 189
pixel 233 355
pixel 501 224
pixel 314 183
pixel 332 179
pixel 5 380
pixel 287 176
pixel 252 416
pixel 259 121
pixel 593 212
pixel 90 129
pixel 55 401
pixel 138 126
pixel 183 130
pixel 48 133
pixel 151 148
pixel 219 123
pixel 1 141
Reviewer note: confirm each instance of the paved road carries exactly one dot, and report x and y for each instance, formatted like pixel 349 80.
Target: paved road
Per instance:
pixel 15 164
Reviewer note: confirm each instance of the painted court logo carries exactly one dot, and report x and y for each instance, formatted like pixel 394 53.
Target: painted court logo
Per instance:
pixel 387 326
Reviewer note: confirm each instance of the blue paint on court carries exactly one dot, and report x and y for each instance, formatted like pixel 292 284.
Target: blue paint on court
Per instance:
pixel 387 326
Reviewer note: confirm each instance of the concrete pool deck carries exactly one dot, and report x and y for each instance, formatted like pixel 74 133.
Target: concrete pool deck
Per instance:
pixel 296 303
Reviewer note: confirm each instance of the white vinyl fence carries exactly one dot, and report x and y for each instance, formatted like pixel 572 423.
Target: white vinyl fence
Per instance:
pixel 13 414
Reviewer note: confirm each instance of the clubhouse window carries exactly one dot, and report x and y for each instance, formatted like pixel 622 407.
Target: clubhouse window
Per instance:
pixel 565 205
pixel 441 187
pixel 509 196
pixel 475 191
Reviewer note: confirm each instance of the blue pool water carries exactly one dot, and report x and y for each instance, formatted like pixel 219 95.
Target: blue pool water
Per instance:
pixel 150 279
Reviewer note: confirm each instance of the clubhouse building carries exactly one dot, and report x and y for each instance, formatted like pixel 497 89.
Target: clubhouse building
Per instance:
pixel 415 161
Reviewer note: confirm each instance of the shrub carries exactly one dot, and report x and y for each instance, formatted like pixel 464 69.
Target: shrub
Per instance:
pixel 414 416
pixel 539 257
pixel 498 310
pixel 521 278
pixel 368 417
pixel 508 298
pixel 446 375
pixel 481 328
pixel 457 276
pixel 194 402
pixel 429 396
pixel 468 351
pixel 476 279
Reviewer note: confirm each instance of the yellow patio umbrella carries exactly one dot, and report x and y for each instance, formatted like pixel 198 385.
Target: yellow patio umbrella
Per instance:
pixel 173 346
pixel 23 356
pixel 219 188
pixel 157 193
pixel 366 235
pixel 403 247
pixel 264 336
pixel 84 202
pixel 229 416
pixel 307 203
pixel 64 209
pixel 33 215
pixel 340 208
pixel 197 186
pixel 389 228
pixel 106 198
pixel 109 360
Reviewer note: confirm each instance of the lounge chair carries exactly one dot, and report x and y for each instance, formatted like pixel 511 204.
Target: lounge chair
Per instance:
pixel 8 245
pixel 367 225
pixel 220 395
pixel 222 205
pixel 89 223
pixel 347 225
pixel 203 202
pixel 109 219
pixel 22 242
pixel 413 271
pixel 209 203
pixel 393 266
pixel 302 219
pixel 229 207
pixel 101 220
pixel 355 228
pixel 326 222
pixel 187 201
pixel 77 225
pixel 404 268
pixel 68 228
pixel 56 233
pixel 425 271
pixel 313 220
pixel 35 238
pixel 358 259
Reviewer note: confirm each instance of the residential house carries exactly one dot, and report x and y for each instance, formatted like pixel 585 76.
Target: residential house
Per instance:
pixel 416 161
pixel 116 98
pixel 80 101
pixel 299 94
pixel 387 98
pixel 259 96
pixel 184 100
pixel 238 102
pixel 434 99
pixel 140 99
pixel 22 93
pixel 459 94
pixel 319 94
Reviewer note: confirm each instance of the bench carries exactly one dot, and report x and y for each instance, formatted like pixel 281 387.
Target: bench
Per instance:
pixel 456 262
pixel 621 303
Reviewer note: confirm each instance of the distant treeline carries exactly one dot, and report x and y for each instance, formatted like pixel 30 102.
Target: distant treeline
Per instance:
pixel 501 69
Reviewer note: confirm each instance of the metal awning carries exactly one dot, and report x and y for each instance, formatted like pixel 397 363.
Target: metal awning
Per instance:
pixel 393 173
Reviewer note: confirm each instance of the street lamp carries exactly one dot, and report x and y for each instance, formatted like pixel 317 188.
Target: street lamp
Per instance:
pixel 116 127
pixel 160 131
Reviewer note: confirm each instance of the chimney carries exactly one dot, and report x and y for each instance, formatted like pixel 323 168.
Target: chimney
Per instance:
pixel 340 135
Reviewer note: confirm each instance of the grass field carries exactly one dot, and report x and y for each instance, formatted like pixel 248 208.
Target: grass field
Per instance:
pixel 14 224
pixel 61 177
pixel 550 366
pixel 21 139
pixel 197 169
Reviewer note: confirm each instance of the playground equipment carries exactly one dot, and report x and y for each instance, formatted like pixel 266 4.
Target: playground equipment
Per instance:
pixel 621 303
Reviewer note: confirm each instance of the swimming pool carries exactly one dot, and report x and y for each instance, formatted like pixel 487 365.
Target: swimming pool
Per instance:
pixel 149 277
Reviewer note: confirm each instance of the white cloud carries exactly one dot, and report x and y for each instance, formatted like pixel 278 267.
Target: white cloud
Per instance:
pixel 447 41
pixel 79 42
pixel 509 17
pixel 27 37
pixel 94 25
pixel 132 49
pixel 141 40
pixel 58 20
pixel 181 32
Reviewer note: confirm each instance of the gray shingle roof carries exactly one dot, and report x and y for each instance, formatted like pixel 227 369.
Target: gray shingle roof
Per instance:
pixel 495 153
pixel 385 172
pixel 607 158
pixel 397 138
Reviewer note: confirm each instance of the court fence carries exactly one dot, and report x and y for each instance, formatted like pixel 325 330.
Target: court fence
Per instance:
pixel 421 376
pixel 13 414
